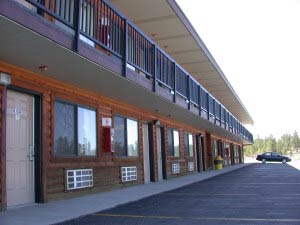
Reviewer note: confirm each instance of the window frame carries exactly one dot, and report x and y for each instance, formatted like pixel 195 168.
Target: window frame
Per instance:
pixel 187 147
pixel 76 105
pixel 126 137
pixel 173 145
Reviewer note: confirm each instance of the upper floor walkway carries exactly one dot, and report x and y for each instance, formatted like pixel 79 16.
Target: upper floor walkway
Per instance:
pixel 98 32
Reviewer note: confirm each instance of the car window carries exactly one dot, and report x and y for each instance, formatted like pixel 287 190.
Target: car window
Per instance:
pixel 275 154
pixel 268 154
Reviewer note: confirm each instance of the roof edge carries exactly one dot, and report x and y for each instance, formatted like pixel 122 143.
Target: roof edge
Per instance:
pixel 181 15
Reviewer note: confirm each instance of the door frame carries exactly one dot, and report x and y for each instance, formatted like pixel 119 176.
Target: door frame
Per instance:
pixel 232 157
pixel 198 153
pixel 37 137
pixel 163 152
pixel 203 152
pixel 159 153
pixel 151 152
pixel 146 154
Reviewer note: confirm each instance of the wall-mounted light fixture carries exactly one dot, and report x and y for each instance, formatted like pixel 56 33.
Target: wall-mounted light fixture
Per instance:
pixel 156 122
pixel 5 79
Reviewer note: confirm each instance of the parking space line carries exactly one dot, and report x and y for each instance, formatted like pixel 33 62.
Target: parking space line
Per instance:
pixel 212 194
pixel 138 216
pixel 264 183
pixel 197 218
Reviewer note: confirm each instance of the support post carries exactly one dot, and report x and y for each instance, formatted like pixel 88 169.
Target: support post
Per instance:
pixel 125 52
pixel 77 19
pixel 154 67
pixel 175 82
pixel 188 90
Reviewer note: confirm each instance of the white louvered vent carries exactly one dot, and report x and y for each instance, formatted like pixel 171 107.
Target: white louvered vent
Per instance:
pixel 80 178
pixel 175 168
pixel 129 173
pixel 191 166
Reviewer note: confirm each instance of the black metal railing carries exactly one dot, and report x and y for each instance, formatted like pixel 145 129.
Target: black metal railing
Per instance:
pixel 181 82
pixel 194 92
pixel 102 24
pixel 204 99
pixel 164 69
pixel 139 51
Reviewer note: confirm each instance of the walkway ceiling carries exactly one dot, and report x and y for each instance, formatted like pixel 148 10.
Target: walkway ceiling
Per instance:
pixel 28 50
pixel 166 24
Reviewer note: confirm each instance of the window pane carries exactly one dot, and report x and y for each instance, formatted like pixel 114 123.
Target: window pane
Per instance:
pixel 191 145
pixel 176 143
pixel 186 144
pixel 132 138
pixel 86 132
pixel 119 136
pixel 170 142
pixel 64 129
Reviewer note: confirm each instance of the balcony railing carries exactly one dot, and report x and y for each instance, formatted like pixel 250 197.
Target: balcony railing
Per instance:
pixel 103 25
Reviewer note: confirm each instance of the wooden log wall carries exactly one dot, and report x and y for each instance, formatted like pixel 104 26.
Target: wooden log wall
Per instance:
pixel 106 167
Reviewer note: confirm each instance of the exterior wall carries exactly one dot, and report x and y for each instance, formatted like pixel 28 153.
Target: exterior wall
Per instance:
pixel 106 168
pixel 183 160
pixel 232 155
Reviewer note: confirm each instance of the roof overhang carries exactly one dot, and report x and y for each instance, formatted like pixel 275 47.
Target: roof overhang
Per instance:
pixel 167 25
pixel 28 50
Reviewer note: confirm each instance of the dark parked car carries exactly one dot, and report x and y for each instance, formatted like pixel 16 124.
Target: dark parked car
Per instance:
pixel 272 157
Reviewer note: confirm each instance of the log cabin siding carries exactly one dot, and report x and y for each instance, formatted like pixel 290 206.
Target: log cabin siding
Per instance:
pixel 106 167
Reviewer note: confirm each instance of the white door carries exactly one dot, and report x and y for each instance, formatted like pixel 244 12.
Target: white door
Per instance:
pixel 19 143
pixel 159 156
pixel 146 154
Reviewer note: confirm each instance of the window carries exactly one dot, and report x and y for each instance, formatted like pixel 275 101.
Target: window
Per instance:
pixel 175 168
pixel 126 136
pixel 74 130
pixel 173 142
pixel 129 173
pixel 86 131
pixel 188 144
pixel 79 178
pixel 191 166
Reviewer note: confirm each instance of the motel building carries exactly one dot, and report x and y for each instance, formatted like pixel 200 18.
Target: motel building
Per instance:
pixel 103 94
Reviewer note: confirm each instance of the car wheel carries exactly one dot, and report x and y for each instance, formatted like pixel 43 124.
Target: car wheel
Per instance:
pixel 284 161
pixel 263 160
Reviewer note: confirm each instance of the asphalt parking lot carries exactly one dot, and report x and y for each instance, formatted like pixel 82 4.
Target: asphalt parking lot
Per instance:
pixel 257 194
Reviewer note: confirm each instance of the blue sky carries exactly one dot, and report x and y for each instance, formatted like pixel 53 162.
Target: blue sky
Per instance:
pixel 257 45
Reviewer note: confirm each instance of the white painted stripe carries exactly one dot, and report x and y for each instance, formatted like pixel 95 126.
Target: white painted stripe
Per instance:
pixel 199 218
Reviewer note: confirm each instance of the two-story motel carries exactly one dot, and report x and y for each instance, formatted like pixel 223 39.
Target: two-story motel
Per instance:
pixel 99 94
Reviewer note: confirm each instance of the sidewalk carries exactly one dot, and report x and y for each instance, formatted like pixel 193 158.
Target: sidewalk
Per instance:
pixel 61 210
